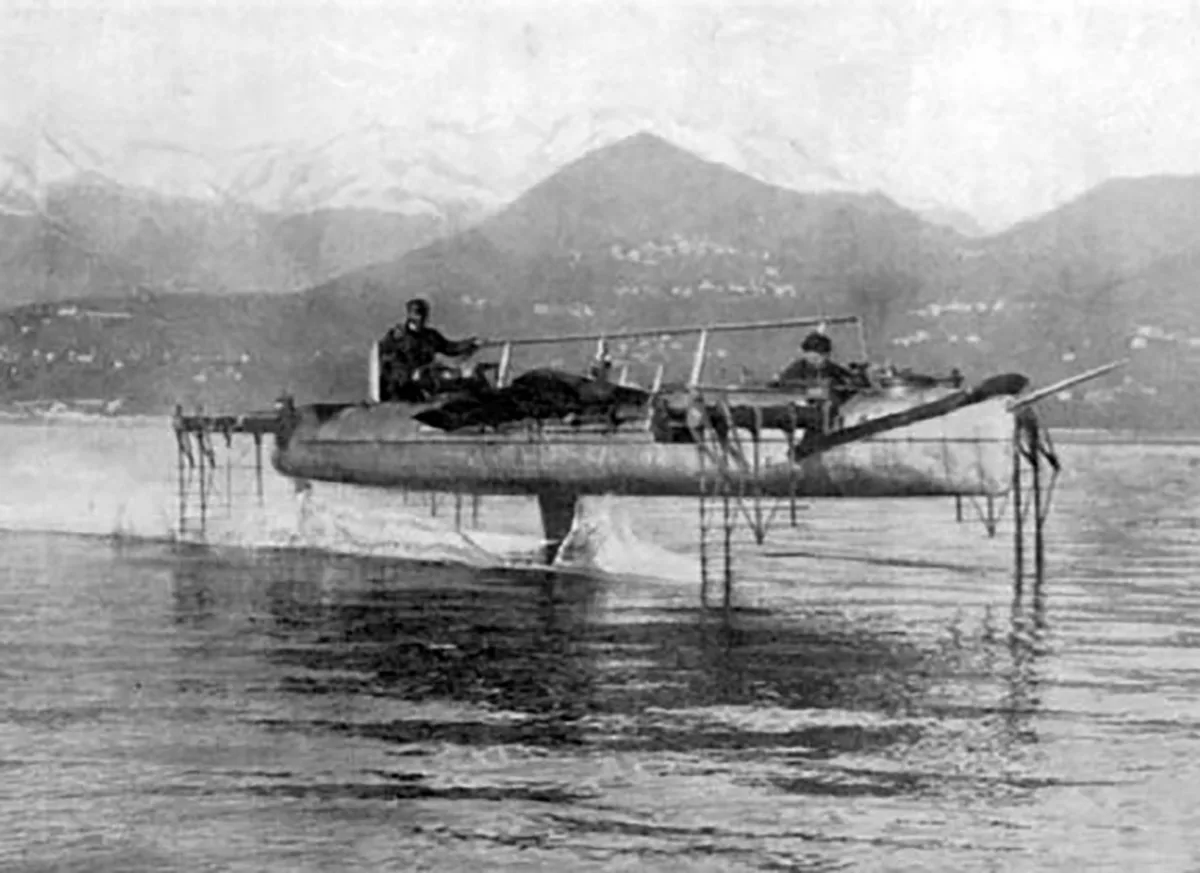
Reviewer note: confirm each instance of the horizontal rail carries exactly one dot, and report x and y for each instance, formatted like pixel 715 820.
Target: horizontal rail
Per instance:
pixel 728 327
pixel 786 391
pixel 489 441
pixel 786 394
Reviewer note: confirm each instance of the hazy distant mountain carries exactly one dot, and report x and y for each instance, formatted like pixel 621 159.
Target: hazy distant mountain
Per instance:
pixel 687 237
pixel 474 169
pixel 948 216
pixel 19 190
pixel 1118 227
pixel 435 173
pixel 178 243
pixel 1105 238
pixel 228 247
pixel 1110 274
pixel 161 216
pixel 283 216
pixel 763 153
pixel 458 170
pixel 41 260
pixel 640 233
pixel 33 161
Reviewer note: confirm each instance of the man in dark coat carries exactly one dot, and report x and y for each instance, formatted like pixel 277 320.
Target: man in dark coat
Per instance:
pixel 815 363
pixel 407 354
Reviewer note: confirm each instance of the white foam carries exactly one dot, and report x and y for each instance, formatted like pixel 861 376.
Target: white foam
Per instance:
pixel 120 477
pixel 602 537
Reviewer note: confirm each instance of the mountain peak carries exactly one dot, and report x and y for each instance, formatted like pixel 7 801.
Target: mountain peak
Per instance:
pixel 648 141
pixel 645 189
pixel 649 150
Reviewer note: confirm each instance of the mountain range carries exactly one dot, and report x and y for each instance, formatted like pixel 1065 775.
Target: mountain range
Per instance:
pixel 284 216
pixel 407 166
pixel 635 232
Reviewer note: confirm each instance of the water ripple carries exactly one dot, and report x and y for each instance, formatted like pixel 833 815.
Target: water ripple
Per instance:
pixel 872 702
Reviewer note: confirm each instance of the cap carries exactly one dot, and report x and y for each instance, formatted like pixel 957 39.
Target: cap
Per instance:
pixel 817 342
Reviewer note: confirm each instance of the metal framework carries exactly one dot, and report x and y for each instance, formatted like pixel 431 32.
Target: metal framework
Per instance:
pixel 198 465
pixel 602 338
pixel 728 487
pixel 728 496
pixel 725 499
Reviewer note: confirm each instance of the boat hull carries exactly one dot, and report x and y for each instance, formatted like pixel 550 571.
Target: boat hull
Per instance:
pixel 965 452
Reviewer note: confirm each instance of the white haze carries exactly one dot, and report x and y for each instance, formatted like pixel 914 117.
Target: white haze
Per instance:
pixel 1002 108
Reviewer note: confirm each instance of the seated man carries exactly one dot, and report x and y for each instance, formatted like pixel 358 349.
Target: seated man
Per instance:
pixel 815 363
pixel 407 354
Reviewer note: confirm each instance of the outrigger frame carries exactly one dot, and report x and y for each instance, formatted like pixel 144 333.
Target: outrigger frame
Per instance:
pixel 1030 490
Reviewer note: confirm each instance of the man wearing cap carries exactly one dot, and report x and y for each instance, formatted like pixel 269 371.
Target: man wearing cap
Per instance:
pixel 408 351
pixel 816 362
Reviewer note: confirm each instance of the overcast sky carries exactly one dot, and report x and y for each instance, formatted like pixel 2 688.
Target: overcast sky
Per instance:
pixel 1002 108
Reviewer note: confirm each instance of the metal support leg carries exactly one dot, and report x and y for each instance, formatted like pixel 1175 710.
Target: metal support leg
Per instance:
pixel 258 467
pixel 791 455
pixel 728 519
pixel 1039 518
pixel 203 473
pixel 179 454
pixel 1018 520
pixel 760 529
pixel 703 527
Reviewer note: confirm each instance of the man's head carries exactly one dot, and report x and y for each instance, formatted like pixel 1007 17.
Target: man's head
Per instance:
pixel 817 347
pixel 416 313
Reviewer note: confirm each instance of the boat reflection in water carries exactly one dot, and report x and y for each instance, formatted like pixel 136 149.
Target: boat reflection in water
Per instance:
pixel 429 655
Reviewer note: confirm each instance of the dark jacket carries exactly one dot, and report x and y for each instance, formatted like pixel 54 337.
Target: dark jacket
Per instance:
pixel 803 370
pixel 419 348
pixel 403 352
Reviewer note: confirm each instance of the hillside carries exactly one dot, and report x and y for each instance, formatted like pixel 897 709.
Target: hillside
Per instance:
pixel 42 260
pixel 1109 274
pixel 643 234
pixel 645 219
pixel 1109 234
pixel 69 230
pixel 1121 226
pixel 182 244
pixel 145 353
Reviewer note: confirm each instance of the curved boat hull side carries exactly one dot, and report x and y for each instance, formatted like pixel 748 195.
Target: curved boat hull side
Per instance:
pixel 968 451
pixel 965 452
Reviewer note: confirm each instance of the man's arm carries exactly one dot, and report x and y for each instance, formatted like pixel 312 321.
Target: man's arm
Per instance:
pixel 451 349
pixel 837 372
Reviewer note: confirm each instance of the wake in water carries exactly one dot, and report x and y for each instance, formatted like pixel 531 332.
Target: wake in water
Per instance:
pixel 119 478
pixel 602 538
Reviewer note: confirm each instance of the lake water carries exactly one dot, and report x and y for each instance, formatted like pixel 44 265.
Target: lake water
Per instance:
pixel 415 704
